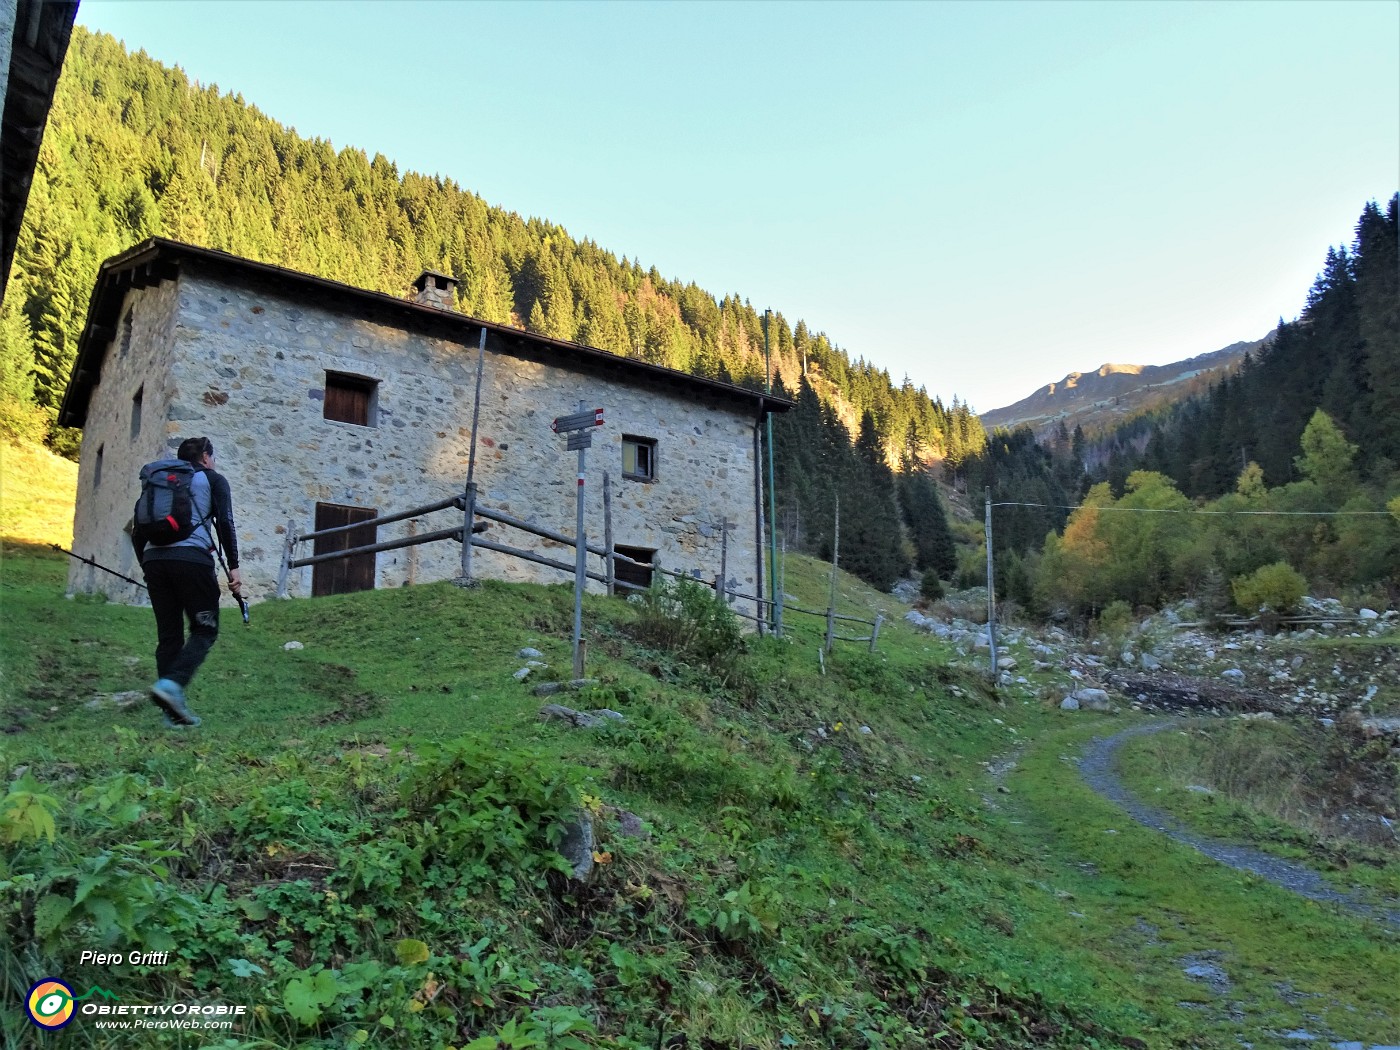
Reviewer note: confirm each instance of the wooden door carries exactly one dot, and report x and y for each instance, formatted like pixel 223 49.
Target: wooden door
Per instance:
pixel 343 575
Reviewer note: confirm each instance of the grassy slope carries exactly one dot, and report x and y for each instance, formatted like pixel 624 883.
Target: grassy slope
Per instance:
pixel 36 495
pixel 794 890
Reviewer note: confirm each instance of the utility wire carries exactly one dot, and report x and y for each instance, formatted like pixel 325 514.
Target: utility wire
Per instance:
pixel 1193 510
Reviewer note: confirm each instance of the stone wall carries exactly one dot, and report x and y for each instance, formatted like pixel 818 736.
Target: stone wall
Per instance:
pixel 247 367
pixel 114 449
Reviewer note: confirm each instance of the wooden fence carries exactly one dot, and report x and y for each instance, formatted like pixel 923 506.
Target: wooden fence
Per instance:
pixel 467 506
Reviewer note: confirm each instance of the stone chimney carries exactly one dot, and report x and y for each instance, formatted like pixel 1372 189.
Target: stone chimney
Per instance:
pixel 436 290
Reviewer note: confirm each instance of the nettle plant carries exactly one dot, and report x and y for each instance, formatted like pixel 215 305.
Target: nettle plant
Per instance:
pixel 75 869
pixel 689 620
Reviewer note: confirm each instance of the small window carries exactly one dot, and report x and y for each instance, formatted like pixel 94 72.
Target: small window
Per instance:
pixel 126 334
pixel 97 467
pixel 637 575
pixel 351 399
pixel 136 412
pixel 638 458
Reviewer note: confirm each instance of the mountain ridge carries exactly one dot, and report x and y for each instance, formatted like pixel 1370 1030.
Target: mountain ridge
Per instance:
pixel 1113 392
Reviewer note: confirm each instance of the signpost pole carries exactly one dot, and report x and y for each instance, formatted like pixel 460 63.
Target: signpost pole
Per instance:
pixel 577 429
pixel 580 567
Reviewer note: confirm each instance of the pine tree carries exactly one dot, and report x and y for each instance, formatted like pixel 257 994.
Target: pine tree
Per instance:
pixel 1378 307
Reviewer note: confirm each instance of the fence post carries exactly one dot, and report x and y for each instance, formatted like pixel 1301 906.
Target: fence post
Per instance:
pixel 412 556
pixel 722 589
pixel 991 594
pixel 782 577
pixel 835 561
pixel 610 570
pixel 468 520
pixel 286 558
pixel 875 634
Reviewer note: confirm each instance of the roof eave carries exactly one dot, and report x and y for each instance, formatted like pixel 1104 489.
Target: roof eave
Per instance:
pixel 161 256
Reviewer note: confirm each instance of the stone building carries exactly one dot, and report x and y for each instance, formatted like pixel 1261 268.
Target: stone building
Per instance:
pixel 329 405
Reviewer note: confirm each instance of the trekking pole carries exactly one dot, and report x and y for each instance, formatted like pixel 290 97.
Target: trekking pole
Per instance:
pixel 96 565
pixel 242 602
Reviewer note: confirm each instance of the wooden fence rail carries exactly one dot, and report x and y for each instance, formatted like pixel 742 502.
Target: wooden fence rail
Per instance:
pixel 471 509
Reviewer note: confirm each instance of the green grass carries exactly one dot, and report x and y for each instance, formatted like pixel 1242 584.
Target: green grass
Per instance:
pixel 36 495
pixel 1150 903
pixel 359 841
pixel 1279 787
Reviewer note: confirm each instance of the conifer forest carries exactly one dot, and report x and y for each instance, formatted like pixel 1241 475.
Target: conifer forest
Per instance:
pixel 1307 431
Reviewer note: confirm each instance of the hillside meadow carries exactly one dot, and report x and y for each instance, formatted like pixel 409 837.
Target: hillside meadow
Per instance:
pixel 361 843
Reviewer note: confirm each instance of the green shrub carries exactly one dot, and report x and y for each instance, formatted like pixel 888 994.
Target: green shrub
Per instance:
pixel 688 619
pixel 1114 621
pixel 1277 587
pixel 930 586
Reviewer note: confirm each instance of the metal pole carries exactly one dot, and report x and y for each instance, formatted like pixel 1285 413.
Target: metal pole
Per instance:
pixel 776 607
pixel 991 591
pixel 760 602
pixel 580 567
pixel 476 413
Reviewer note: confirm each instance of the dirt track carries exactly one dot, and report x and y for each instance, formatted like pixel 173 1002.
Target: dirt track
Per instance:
pixel 1096 767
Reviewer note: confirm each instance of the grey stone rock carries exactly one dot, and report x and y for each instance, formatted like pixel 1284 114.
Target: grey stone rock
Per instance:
pixel 529 654
pixel 1234 674
pixel 1369 614
pixel 1070 703
pixel 577 847
pixel 630 826
pixel 1093 700
pixel 521 674
pixel 580 719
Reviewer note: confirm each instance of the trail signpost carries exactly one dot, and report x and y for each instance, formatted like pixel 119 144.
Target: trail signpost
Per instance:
pixel 578 430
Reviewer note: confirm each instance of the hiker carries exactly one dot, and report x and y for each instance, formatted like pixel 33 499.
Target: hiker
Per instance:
pixel 181 579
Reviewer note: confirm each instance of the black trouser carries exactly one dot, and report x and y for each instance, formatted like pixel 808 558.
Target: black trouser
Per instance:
pixel 180 590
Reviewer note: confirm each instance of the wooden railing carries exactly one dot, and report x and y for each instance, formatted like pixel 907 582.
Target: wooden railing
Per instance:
pixel 469 509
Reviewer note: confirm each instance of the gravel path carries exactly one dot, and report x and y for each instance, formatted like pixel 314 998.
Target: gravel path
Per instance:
pixel 1096 767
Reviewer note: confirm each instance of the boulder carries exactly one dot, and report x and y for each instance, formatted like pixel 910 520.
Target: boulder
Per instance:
pixel 1093 700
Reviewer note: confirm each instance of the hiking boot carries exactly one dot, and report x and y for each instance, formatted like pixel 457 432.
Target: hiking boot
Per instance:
pixel 170 698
